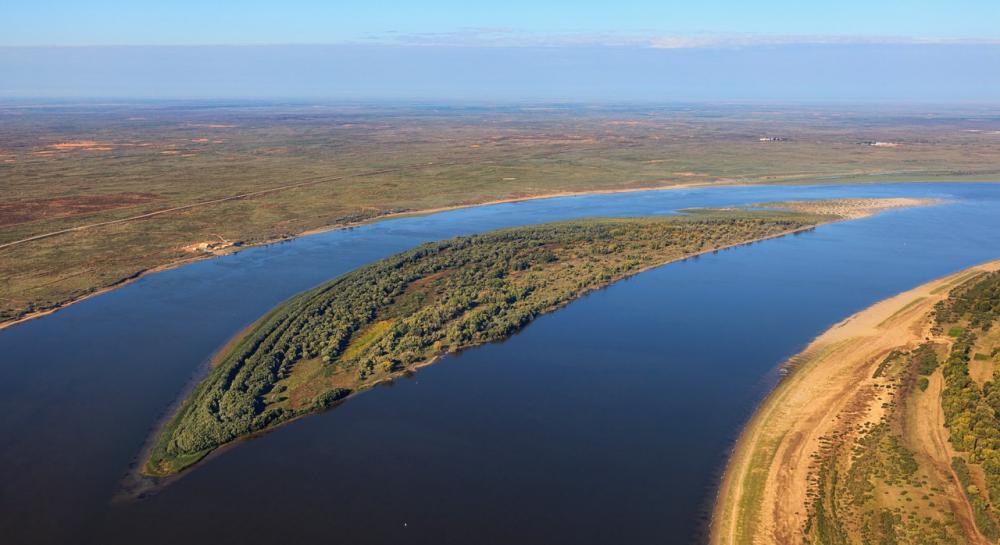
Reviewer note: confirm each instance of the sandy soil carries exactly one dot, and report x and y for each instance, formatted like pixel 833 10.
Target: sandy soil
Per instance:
pixel 85 145
pixel 763 495
pixel 853 208
pixel 981 371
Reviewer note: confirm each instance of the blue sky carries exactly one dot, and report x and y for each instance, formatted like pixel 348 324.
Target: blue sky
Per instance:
pixel 509 50
pixel 509 22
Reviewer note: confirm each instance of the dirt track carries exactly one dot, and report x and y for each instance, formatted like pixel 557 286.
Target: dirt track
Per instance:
pixel 931 439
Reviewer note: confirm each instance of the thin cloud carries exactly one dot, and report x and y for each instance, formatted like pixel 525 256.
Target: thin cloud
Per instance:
pixel 753 40
pixel 507 37
pixel 511 37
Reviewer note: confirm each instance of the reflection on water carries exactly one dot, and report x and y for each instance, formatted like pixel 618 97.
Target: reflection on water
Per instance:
pixel 607 421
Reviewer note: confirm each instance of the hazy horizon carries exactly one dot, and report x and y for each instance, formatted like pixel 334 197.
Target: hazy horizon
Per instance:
pixel 796 72
pixel 446 50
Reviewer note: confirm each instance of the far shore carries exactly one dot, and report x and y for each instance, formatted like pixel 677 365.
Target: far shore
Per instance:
pixel 413 213
pixel 337 227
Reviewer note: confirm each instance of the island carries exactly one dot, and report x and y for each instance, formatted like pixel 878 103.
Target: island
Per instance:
pixel 403 312
pixel 886 429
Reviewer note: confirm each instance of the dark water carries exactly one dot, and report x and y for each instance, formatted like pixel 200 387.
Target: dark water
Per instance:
pixel 606 422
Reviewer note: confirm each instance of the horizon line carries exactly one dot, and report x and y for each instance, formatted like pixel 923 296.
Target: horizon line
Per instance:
pixel 473 40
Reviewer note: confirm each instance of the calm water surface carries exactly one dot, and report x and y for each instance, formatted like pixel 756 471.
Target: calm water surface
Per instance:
pixel 605 422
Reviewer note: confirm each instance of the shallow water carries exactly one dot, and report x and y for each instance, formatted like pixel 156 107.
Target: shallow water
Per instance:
pixel 607 421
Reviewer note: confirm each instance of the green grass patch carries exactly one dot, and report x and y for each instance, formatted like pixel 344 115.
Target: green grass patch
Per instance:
pixel 365 339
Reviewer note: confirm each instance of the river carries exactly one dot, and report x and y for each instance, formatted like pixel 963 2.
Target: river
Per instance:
pixel 607 421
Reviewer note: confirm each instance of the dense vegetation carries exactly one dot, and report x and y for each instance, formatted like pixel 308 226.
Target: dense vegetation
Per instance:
pixel 976 302
pixel 972 411
pixel 440 297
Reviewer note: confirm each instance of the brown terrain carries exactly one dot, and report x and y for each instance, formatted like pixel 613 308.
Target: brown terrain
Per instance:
pixel 23 211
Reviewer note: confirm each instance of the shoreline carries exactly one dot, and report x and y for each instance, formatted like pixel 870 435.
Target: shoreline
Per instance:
pixel 338 227
pixel 746 507
pixel 405 214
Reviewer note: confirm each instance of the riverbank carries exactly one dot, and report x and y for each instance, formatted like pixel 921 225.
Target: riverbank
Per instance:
pixel 232 248
pixel 341 226
pixel 834 388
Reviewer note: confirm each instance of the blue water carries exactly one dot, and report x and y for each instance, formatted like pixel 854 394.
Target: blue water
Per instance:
pixel 605 422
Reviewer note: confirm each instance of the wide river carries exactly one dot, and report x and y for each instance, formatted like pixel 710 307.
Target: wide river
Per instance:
pixel 608 421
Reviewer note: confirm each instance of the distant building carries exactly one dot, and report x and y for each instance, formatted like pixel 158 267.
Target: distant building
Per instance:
pixel 879 143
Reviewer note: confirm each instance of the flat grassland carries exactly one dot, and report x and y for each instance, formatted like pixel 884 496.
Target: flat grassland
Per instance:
pixel 869 439
pixel 96 194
